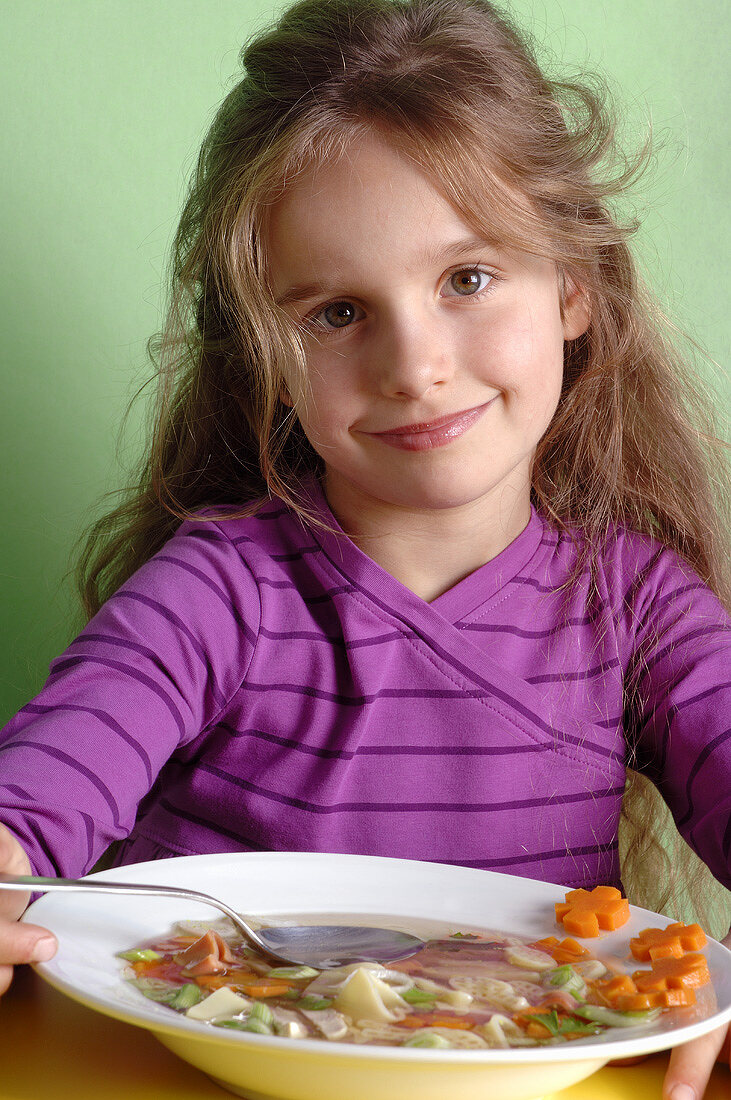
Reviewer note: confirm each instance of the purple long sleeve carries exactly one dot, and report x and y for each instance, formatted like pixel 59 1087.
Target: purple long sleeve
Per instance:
pixel 260 685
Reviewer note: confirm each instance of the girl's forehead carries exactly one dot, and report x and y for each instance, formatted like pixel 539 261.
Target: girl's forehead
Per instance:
pixel 372 198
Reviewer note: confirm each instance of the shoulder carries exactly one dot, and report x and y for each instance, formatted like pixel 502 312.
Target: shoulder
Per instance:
pixel 638 579
pixel 655 593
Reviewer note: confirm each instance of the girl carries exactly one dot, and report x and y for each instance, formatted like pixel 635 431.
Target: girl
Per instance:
pixel 426 551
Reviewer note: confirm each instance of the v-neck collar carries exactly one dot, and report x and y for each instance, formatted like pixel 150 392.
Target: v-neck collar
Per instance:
pixel 453 605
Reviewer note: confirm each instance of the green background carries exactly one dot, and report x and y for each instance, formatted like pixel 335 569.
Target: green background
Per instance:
pixel 104 104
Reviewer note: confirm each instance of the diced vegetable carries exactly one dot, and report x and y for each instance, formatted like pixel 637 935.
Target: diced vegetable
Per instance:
pixel 187 996
pixel 257 1026
pixel 314 1004
pixel 675 940
pixel 260 1011
pixel 672 973
pixel 429 1039
pixel 612 1018
pixel 155 989
pixel 433 1019
pixel 418 996
pixel 139 954
pixel 264 988
pixel 530 958
pixel 565 977
pixel 294 973
pixel 585 912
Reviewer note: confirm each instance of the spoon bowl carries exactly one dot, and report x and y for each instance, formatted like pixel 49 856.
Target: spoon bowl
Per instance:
pixel 323 946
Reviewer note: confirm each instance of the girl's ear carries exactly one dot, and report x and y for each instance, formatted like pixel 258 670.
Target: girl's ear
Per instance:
pixel 284 396
pixel 575 307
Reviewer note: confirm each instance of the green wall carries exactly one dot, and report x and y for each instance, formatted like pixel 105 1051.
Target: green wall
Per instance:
pixel 104 105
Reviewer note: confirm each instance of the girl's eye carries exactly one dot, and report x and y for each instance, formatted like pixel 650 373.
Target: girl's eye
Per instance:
pixel 469 282
pixel 338 315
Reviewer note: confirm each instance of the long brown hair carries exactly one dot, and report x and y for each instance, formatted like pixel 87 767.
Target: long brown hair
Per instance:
pixel 529 162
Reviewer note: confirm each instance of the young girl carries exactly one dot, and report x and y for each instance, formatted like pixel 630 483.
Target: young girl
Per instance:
pixel 426 551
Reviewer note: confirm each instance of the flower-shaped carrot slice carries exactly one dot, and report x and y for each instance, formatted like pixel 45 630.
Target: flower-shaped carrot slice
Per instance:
pixel 660 943
pixel 621 985
pixel 585 912
pixel 672 973
pixel 563 951
pixel 667 998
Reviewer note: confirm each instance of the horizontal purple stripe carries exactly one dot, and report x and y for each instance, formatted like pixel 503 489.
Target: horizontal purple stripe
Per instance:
pixel 57 754
pixel 274 514
pixel 660 604
pixel 364 700
pixel 34 828
pixel 531 583
pixel 126 670
pixel 638 582
pixel 383 750
pixel 218 592
pixel 408 807
pixel 320 597
pixel 701 632
pixel 720 739
pixel 212 534
pixel 182 626
pixel 317 636
pixel 90 827
pixel 523 857
pixel 296 555
pixel 195 819
pixel 19 792
pixel 105 719
pixel 507 628
pixel 582 674
pixel 672 711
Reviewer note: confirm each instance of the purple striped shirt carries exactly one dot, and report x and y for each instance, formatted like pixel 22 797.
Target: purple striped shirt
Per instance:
pixel 262 685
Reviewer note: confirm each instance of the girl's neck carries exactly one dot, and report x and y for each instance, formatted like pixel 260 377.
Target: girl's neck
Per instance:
pixel 429 551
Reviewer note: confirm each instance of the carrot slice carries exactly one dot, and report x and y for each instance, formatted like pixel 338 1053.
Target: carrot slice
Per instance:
pixel 432 1019
pixel 585 912
pixel 675 940
pixel 235 978
pixel 265 988
pixel 667 998
pixel 672 973
pixel 562 951
pixel 619 986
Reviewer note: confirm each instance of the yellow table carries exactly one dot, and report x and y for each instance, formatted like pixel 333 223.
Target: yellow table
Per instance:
pixel 51 1047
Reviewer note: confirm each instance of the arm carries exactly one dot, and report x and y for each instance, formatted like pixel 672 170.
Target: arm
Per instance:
pixel 679 700
pixel 153 669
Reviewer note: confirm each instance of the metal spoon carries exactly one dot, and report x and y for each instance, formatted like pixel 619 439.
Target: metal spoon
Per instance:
pixel 322 946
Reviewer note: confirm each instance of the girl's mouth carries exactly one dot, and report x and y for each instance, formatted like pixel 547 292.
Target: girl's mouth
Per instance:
pixel 433 433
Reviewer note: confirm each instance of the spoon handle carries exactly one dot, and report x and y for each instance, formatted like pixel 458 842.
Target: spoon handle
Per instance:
pixel 41 884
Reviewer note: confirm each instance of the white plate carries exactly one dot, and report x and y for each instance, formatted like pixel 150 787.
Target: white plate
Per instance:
pixel 92 928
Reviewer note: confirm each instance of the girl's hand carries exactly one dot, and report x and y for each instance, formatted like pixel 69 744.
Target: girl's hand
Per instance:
pixel 691 1064
pixel 19 943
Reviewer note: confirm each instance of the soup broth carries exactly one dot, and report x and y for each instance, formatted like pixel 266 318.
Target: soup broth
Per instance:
pixel 467 988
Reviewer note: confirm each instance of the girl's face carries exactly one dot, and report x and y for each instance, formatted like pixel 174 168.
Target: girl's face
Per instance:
pixel 434 359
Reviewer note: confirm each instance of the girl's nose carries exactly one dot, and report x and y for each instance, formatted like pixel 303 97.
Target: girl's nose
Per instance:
pixel 414 354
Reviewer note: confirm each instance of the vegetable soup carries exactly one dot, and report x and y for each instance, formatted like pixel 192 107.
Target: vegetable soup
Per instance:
pixel 466 988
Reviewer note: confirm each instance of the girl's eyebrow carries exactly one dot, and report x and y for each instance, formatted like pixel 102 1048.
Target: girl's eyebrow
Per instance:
pixel 306 292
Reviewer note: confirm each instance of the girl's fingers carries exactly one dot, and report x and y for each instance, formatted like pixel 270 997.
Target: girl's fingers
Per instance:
pixel 24 943
pixel 691 1065
pixel 6 976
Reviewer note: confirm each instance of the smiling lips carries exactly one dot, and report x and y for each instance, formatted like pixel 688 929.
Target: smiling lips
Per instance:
pixel 434 433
